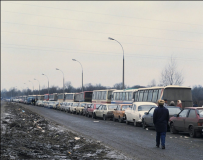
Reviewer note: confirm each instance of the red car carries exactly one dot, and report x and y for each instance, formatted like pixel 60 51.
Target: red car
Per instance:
pixel 190 119
pixel 92 108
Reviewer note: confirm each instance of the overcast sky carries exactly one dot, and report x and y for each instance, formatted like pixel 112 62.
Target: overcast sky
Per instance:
pixel 37 37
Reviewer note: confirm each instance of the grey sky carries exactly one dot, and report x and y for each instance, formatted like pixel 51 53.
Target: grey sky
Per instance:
pixel 37 37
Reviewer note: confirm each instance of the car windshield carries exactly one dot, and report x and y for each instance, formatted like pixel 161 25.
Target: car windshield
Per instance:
pixel 83 104
pixel 125 107
pixel 112 107
pixel 145 107
pixel 173 110
pixel 75 104
pixel 200 112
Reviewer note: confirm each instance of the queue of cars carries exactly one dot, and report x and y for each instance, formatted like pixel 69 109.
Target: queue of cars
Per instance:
pixel 190 119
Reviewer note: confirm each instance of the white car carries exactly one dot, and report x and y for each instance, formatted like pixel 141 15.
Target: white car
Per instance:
pixel 73 107
pixel 63 106
pixel 135 113
pixel 39 103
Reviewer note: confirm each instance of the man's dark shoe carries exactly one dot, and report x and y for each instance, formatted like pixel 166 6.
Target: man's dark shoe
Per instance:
pixel 163 147
pixel 157 146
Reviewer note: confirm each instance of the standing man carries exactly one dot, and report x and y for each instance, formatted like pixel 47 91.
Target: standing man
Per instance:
pixel 160 120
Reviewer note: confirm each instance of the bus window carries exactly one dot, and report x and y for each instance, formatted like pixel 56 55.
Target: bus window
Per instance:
pixel 136 98
pixel 117 95
pixel 99 95
pixel 121 95
pixel 140 95
pixel 124 96
pixel 149 99
pixel 155 94
pixel 145 95
pixel 104 95
pixel 93 95
pixel 159 95
pixel 127 96
pixel 114 96
pixel 130 96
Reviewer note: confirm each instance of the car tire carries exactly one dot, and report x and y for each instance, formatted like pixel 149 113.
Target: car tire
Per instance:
pixel 144 126
pixel 120 119
pixel 126 121
pixel 192 132
pixel 88 115
pixel 114 119
pixel 172 129
pixel 104 117
pixel 135 124
pixel 95 117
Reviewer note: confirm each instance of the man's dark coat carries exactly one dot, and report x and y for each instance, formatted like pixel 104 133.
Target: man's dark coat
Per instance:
pixel 161 118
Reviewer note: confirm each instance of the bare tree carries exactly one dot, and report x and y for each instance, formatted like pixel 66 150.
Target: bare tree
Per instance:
pixel 152 83
pixel 170 75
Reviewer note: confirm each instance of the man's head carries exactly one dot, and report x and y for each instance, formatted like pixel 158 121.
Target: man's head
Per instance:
pixel 165 100
pixel 161 102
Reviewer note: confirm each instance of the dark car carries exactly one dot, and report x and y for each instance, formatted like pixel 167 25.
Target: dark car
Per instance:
pixel 84 110
pixel 190 119
pixel 147 119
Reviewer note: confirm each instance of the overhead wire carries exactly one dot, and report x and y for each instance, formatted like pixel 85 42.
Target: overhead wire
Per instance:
pixel 105 14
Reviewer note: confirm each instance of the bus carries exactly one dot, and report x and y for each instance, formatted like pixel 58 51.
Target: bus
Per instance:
pixel 53 97
pixel 85 96
pixel 40 97
pixel 46 97
pixel 69 97
pixel 102 96
pixel 123 96
pixel 171 93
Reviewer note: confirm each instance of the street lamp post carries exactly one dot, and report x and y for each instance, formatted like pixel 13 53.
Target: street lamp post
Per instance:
pixel 27 89
pixel 39 85
pixel 82 72
pixel 32 87
pixel 63 78
pixel 123 58
pixel 48 82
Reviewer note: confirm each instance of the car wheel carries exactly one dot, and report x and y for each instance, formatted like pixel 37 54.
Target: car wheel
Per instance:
pixel 88 115
pixel 192 132
pixel 126 121
pixel 104 117
pixel 114 119
pixel 120 119
pixel 172 129
pixel 95 116
pixel 144 124
pixel 135 124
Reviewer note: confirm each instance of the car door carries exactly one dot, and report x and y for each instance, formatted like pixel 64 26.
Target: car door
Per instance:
pixel 116 112
pixel 191 119
pixel 179 122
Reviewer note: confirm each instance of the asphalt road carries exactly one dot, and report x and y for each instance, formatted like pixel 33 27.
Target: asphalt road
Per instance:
pixel 134 142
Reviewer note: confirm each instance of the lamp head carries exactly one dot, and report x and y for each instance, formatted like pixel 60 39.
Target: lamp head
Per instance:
pixel 34 79
pixel 74 59
pixel 111 38
pixel 57 69
pixel 42 74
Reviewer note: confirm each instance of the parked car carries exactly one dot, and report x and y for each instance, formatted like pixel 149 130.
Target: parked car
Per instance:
pixel 63 106
pixel 69 106
pixel 73 107
pixel 39 103
pixel 45 103
pixel 119 112
pixel 79 109
pixel 190 119
pixel 91 108
pixel 104 111
pixel 147 118
pixel 134 114
pixel 52 104
pixel 84 110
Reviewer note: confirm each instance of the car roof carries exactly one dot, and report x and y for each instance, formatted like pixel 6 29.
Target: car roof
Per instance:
pixel 125 104
pixel 144 103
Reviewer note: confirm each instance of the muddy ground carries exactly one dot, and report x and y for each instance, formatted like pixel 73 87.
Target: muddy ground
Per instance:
pixel 26 135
